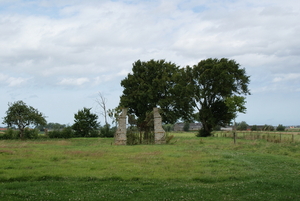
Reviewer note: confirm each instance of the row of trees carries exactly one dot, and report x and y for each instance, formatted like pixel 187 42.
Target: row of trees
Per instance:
pixel 244 126
pixel 214 90
pixel 22 116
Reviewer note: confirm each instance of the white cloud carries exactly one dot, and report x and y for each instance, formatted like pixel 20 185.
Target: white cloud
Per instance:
pixel 91 45
pixel 12 81
pixel 287 77
pixel 73 81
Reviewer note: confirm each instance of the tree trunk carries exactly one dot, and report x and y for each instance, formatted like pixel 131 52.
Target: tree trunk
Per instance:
pixel 22 133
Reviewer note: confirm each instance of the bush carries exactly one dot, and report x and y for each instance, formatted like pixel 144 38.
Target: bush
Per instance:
pixel 106 131
pixel 242 126
pixel 64 133
pixel 254 128
pixel 217 128
pixel 133 137
pixel 94 133
pixel 31 133
pixel 11 134
pixel 168 127
pixel 268 128
pixel 54 134
pixel 186 126
pixel 203 133
pixel 67 132
pixel 280 127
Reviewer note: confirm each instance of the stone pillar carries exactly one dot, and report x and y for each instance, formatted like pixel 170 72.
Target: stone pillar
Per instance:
pixel 120 135
pixel 159 132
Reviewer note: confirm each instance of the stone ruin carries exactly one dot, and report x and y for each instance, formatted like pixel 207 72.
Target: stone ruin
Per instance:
pixel 159 132
pixel 120 136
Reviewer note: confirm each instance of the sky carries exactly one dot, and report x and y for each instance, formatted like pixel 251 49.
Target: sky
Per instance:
pixel 58 55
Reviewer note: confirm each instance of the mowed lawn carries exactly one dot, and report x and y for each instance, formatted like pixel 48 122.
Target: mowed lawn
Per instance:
pixel 189 168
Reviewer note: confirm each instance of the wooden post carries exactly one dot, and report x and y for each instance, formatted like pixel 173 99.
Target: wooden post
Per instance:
pixel 280 137
pixel 234 137
pixel 292 137
pixel 234 133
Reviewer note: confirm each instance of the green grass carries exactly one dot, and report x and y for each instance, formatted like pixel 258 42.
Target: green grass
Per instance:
pixel 189 168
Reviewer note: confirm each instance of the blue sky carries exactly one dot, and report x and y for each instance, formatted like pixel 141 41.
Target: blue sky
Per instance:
pixel 58 55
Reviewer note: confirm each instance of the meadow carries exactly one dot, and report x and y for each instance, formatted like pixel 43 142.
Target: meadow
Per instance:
pixel 189 168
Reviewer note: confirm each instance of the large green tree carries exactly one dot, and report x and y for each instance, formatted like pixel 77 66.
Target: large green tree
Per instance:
pixel 155 83
pixel 214 84
pixel 21 115
pixel 85 123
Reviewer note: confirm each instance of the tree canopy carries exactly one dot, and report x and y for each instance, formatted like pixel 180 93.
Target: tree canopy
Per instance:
pixel 213 81
pixel 241 126
pixel 216 88
pixel 155 84
pixel 85 123
pixel 22 116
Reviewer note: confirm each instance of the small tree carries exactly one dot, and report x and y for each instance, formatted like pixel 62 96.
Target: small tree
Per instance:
pixel 268 128
pixel 280 127
pixel 242 126
pixel 85 123
pixel 102 103
pixel 254 128
pixel 22 116
pixel 186 126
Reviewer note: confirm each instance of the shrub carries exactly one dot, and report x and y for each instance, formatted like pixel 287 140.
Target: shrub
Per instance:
pixel 31 133
pixel 242 126
pixel 168 127
pixel 64 133
pixel 268 128
pixel 203 133
pixel 133 137
pixel 107 131
pixel 186 126
pixel 94 133
pixel 10 134
pixel 54 134
pixel 217 128
pixel 254 128
pixel 280 127
pixel 67 132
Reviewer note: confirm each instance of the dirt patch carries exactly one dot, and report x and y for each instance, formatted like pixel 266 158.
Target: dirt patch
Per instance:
pixel 6 152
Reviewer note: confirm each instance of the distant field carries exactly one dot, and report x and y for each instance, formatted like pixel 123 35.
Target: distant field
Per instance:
pixel 189 168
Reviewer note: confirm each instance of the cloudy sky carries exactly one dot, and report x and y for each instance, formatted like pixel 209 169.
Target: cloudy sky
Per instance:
pixel 57 55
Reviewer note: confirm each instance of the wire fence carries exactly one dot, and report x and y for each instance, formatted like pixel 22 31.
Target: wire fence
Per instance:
pixel 270 136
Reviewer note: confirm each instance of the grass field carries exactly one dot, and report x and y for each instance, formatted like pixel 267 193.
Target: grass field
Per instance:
pixel 189 168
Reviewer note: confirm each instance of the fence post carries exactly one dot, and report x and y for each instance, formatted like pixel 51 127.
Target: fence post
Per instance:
pixel 280 137
pixel 292 137
pixel 234 137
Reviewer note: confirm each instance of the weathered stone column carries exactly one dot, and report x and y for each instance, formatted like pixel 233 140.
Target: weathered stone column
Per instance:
pixel 159 132
pixel 120 135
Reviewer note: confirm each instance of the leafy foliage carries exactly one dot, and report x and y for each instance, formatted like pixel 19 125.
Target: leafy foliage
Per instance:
pixel 242 126
pixel 11 134
pixel 217 86
pixel 66 132
pixel 186 126
pixel 280 127
pixel 268 128
pixel 86 124
pixel 155 84
pixel 168 127
pixel 22 116
pixel 254 128
pixel 107 131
